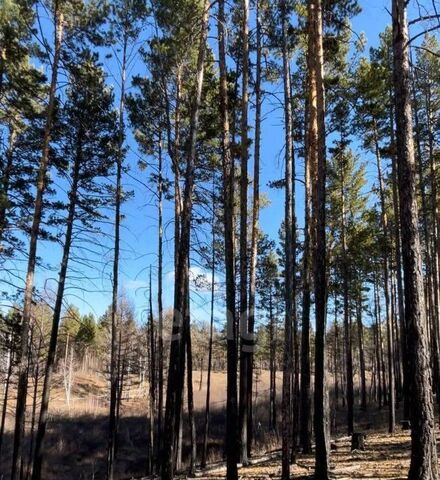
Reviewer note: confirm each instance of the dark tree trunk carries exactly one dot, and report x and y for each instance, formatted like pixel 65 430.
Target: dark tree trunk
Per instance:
pixel 50 362
pixel 245 338
pixel 6 397
pixel 286 402
pixel 152 382
pixel 305 403
pixel 347 316
pixel 189 379
pixel 255 217
pixel 114 380
pixel 272 367
pixel 211 332
pixel 228 206
pixel 360 329
pixel 160 351
pixel 424 464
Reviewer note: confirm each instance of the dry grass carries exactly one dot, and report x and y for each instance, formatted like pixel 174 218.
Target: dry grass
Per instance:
pixel 76 439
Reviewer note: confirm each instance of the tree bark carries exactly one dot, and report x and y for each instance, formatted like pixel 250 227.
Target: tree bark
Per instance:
pixel 305 405
pixel 255 219
pixel 228 208
pixel 112 433
pixel 317 152
pixel 424 464
pixel 245 337
pixel 360 329
pixel 286 402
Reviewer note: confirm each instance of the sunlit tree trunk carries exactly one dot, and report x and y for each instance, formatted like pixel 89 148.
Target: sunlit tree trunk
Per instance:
pixel 317 153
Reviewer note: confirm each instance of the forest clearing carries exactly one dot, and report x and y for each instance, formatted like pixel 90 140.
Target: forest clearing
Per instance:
pixel 219 239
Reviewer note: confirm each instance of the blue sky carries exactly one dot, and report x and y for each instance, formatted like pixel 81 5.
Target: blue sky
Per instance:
pixel 89 288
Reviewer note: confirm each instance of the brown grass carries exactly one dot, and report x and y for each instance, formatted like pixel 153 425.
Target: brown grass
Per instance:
pixel 76 438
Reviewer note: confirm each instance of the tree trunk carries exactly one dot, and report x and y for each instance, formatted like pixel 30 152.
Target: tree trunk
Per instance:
pixel 245 337
pixel 424 452
pixel 50 362
pixel 390 336
pixel 360 329
pixel 286 405
pixel 20 411
pixel 316 151
pixel 6 396
pixel 211 332
pixel 152 382
pixel 112 433
pixel 228 206
pixel 177 349
pixel 160 351
pixel 305 414
pixel 255 218
pixel 347 315
pixel 272 367
pixel 189 379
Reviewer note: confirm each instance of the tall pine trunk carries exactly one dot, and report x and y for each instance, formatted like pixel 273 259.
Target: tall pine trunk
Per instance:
pixel 317 153
pixel 245 339
pixel 423 451
pixel 228 218
pixel 114 380
pixel 305 403
pixel 286 401
pixel 255 218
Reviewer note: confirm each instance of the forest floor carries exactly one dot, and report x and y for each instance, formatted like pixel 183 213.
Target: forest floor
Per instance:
pixel 77 432
pixel 385 457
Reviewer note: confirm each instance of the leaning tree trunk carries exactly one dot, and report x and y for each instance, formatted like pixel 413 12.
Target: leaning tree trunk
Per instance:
pixel 50 362
pixel 316 152
pixel 424 464
pixel 228 206
pixel 20 411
